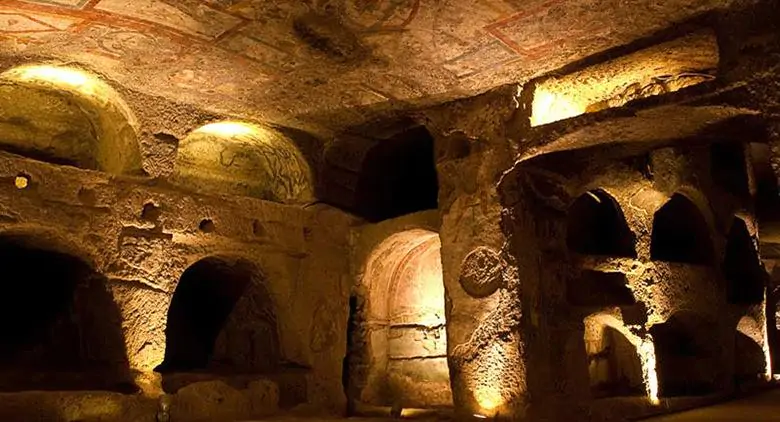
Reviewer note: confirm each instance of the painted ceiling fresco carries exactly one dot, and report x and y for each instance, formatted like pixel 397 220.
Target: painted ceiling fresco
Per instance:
pixel 326 63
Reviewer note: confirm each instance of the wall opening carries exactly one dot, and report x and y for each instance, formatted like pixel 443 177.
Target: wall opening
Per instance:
pixel 728 167
pixel 221 320
pixel 237 158
pixel 614 366
pixel 398 356
pixel 65 115
pixel 687 355
pixel 398 177
pixel 742 267
pixel 60 326
pixel 749 357
pixel 681 234
pixel 596 226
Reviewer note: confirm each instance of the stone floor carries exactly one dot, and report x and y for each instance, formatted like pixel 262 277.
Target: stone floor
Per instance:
pixel 758 408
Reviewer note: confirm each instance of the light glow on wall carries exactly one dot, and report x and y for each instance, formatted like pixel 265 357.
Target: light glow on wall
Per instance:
pixel 646 352
pixel 550 107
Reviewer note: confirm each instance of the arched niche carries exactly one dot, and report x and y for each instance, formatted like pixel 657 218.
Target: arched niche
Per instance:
pixel 687 355
pixel 614 365
pixel 221 320
pixel 398 177
pixel 728 167
pixel 596 226
pixel 742 267
pixel 65 115
pixel 398 354
pixel 237 158
pixel 681 233
pixel 750 361
pixel 60 326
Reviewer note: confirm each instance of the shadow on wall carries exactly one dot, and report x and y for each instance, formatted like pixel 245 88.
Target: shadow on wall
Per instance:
pixel 221 321
pixel 687 355
pixel 742 268
pixel 681 234
pixel 61 328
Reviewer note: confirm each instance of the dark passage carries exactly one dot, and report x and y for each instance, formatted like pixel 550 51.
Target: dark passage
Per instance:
pixel 596 226
pixel 398 177
pixel 61 329
pixel 742 268
pixel 220 320
pixel 680 234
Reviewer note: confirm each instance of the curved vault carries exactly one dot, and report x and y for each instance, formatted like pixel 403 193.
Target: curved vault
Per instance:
pixel 244 159
pixel 68 116
pixel 404 355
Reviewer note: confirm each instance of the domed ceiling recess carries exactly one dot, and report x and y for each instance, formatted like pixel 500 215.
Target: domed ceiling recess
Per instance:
pixel 322 65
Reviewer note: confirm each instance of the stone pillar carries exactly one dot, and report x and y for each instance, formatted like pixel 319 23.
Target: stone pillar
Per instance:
pixel 483 306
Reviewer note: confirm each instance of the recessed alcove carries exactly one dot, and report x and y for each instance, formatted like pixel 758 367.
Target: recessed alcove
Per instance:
pixel 592 288
pixel 614 367
pixel 596 226
pixel 687 355
pixel 398 342
pixel 60 326
pixel 742 267
pixel 681 233
pixel 221 320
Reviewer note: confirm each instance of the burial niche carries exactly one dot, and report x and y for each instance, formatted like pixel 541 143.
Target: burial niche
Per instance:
pixel 687 355
pixel 60 326
pixel 398 352
pixel 681 234
pixel 64 115
pixel 614 366
pixel 742 268
pixel 596 226
pixel 221 320
pixel 398 177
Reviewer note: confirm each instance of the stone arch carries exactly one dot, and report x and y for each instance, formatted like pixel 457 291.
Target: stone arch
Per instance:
pixel 750 360
pixel 61 327
pixel 681 233
pixel 239 158
pixel 686 355
pixel 399 357
pixel 596 226
pixel 66 115
pixel 614 363
pixel 221 320
pixel 742 266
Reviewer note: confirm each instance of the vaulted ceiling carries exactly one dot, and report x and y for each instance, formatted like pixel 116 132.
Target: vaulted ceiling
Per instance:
pixel 326 64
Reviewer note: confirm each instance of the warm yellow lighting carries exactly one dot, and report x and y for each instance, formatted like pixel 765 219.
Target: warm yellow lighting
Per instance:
pixel 768 370
pixel 646 352
pixel 488 391
pixel 549 107
pixel 229 129
pixel 58 77
pixel 478 416
pixel 21 182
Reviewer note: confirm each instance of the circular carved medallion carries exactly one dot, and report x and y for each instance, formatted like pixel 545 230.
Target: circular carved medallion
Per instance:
pixel 480 272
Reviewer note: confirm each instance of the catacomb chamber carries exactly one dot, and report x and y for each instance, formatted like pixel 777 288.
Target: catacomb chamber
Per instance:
pixel 397 354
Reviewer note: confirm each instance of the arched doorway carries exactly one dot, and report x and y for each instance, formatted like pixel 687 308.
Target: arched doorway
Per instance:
pixel 681 234
pixel 60 326
pixel 398 350
pixel 221 320
pixel 596 226
pixel 688 358
pixel 614 366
